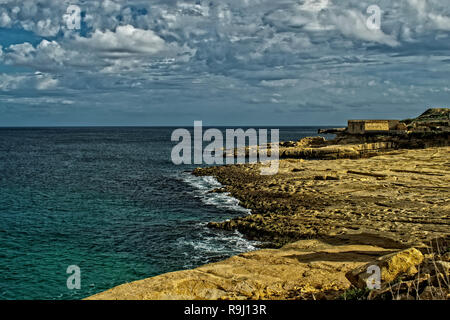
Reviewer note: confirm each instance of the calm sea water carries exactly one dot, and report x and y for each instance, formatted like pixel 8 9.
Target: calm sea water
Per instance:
pixel 108 200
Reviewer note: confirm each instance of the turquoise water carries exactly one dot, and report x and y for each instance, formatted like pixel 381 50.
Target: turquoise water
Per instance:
pixel 108 200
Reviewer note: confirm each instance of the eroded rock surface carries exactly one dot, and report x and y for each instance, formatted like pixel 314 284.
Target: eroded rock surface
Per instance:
pixel 355 210
pixel 308 269
pixel 401 197
pixel 390 266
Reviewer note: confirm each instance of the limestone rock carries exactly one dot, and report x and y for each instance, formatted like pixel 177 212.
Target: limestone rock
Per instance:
pixel 305 269
pixel 391 266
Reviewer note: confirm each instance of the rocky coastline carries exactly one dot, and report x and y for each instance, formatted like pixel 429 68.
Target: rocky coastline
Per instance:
pixel 401 194
pixel 321 221
pixel 363 201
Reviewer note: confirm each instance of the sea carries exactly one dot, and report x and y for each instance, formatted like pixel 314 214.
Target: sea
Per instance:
pixel 109 201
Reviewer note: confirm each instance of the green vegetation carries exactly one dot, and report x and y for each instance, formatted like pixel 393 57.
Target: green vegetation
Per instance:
pixel 355 294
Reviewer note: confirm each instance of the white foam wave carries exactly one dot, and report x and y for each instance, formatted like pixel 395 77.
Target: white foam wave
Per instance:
pixel 209 245
pixel 204 185
pixel 212 245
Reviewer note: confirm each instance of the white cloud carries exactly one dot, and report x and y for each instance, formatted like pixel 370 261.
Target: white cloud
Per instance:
pixel 440 22
pixel 253 51
pixel 353 24
pixel 126 40
pixel 46 55
pixel 419 6
pixel 432 14
pixel 110 6
pixel 9 83
pixel 47 28
pixel 5 20
pixel 38 81
pixel 37 101
pixel 279 83
pixel 315 5
pixel 20 54
pixel 45 82
pixel 126 49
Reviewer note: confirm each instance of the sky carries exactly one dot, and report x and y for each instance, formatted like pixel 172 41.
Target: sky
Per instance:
pixel 227 62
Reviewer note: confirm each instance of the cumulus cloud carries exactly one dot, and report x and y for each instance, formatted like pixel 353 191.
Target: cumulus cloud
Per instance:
pixel 105 51
pixel 45 82
pixel 8 83
pixel 20 54
pixel 295 54
pixel 440 22
pixel 38 81
pixel 47 55
pixel 126 40
pixel 5 20
pixel 353 24
pixel 431 14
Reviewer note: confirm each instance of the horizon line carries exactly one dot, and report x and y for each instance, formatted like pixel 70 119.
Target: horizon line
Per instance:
pixel 162 126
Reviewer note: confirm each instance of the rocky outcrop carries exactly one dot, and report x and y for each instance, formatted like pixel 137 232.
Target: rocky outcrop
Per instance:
pixel 408 274
pixel 319 148
pixel 401 196
pixel 347 146
pixel 434 119
pixel 331 152
pixel 355 210
pixel 308 269
pixel 390 266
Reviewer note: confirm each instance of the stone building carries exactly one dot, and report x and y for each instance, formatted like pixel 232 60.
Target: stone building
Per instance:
pixel 369 126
